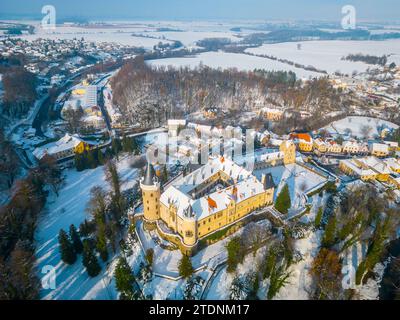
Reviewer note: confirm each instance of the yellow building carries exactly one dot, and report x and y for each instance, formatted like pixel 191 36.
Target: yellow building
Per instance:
pixel 334 147
pixel 304 141
pixel 67 146
pixel 350 147
pixel 368 168
pixel 79 91
pixel 320 145
pixel 379 149
pixel 357 169
pixel 272 114
pixel 209 199
pixel 393 164
pixel 151 191
pixel 288 150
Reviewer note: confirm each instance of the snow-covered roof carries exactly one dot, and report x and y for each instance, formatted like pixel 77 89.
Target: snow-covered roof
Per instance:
pixel 176 122
pixel 376 164
pixel 350 144
pixel 358 168
pixel 179 195
pixel 380 147
pixel 393 163
pixel 67 142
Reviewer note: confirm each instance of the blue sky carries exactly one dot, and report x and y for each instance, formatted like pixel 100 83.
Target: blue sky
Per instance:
pixel 205 9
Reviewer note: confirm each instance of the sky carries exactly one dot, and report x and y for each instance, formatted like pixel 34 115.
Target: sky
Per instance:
pixel 372 10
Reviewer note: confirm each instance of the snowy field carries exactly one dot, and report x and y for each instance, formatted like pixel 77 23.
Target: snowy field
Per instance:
pixel 153 33
pixel 62 211
pixel 327 55
pixel 123 38
pixel 225 60
pixel 356 124
pixel 189 38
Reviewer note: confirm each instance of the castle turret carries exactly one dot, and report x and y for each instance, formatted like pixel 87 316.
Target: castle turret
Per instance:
pixel 189 227
pixel 151 192
pixel 289 152
pixel 269 187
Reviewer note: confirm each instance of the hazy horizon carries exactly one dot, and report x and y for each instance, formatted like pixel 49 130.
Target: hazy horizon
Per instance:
pixel 286 10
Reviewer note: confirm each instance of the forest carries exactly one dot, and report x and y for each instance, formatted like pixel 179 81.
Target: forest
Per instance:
pixel 149 96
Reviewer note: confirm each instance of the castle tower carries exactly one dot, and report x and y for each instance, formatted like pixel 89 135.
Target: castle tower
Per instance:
pixel 189 227
pixel 269 188
pixel 151 192
pixel 289 152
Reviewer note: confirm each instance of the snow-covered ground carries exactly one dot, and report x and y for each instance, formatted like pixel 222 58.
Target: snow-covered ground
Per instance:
pixel 123 38
pixel 189 38
pixel 72 282
pixel 226 60
pixel 300 281
pixel 146 34
pixel 327 55
pixel 299 180
pixel 355 125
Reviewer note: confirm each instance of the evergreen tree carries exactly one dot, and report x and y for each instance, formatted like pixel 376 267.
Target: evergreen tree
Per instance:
pixel 100 157
pixel 75 239
pixel 68 254
pixel 283 202
pixel 235 254
pixel 79 162
pixel 124 279
pixel 150 256
pixel 185 266
pixel 318 217
pixel 270 263
pixel 116 146
pixel 135 146
pixel 101 242
pixel 91 159
pixel 164 174
pixel 87 228
pixel 330 232
pixel 278 279
pixel 89 260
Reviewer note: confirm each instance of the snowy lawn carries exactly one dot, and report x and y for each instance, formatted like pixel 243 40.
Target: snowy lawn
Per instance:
pixel 300 279
pixel 299 180
pixel 60 212
pixel 353 125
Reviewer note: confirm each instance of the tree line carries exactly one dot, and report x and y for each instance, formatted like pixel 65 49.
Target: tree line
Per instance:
pixel 18 221
pixel 91 159
pixel 150 95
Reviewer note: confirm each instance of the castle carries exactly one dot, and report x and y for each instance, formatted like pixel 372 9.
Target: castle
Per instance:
pixel 216 195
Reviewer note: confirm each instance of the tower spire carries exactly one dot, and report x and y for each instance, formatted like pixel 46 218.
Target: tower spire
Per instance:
pixel 149 176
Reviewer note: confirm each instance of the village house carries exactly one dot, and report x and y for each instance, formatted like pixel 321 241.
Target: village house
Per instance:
pixel 367 168
pixel 303 141
pixel 67 146
pixel 272 114
pixel 379 149
pixel 320 145
pixel 350 147
pixel 334 147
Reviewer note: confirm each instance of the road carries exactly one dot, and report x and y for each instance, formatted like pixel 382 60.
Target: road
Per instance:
pixel 102 84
